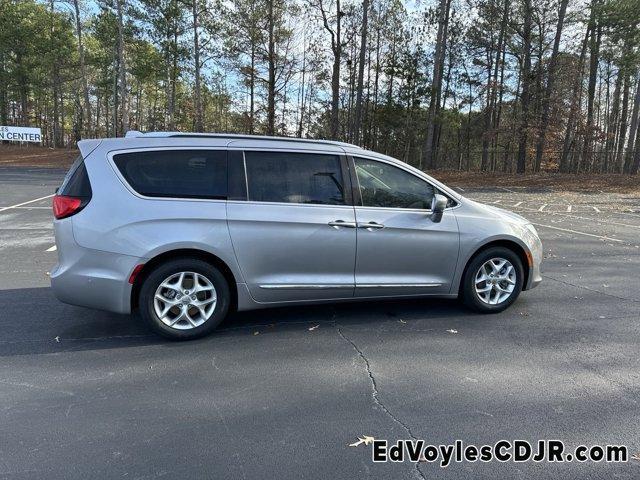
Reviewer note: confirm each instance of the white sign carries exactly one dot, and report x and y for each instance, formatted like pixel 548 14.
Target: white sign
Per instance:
pixel 20 134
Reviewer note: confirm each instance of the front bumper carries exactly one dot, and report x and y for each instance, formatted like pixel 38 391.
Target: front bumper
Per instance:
pixel 90 278
pixel 535 274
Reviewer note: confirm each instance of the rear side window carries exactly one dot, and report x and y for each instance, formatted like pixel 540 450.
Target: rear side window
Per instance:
pixel 294 178
pixel 76 182
pixel 176 173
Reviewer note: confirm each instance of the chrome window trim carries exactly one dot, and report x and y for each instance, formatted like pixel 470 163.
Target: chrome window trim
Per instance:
pixel 308 205
pixel 126 184
pixel 324 286
pixel 398 285
pixel 304 286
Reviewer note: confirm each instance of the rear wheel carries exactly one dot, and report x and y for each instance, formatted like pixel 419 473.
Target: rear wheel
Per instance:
pixel 184 299
pixel 493 280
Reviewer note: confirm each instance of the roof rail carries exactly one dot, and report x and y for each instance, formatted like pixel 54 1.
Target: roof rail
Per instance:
pixel 234 136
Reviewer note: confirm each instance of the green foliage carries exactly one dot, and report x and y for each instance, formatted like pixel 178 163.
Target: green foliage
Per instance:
pixel 41 79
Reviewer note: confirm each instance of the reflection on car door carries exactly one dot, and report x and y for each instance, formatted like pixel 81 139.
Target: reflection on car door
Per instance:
pixel 400 250
pixel 295 236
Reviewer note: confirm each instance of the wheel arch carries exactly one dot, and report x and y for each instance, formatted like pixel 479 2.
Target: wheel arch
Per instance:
pixel 509 244
pixel 163 257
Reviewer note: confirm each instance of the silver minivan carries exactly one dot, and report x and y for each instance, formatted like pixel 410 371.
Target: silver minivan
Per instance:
pixel 187 227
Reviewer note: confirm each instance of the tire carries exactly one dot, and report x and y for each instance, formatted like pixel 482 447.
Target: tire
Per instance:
pixel 205 307
pixel 483 302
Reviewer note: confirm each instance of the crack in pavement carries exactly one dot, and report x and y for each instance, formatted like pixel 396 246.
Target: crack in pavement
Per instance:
pixel 591 289
pixel 375 393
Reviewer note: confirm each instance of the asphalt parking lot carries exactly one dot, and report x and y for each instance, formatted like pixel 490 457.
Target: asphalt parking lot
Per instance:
pixel 282 393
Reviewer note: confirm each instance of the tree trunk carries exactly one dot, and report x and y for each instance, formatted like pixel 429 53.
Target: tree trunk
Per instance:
pixel 363 48
pixel 198 120
pixel 575 105
pixel 546 105
pixel 122 70
pixel 271 87
pixel 498 69
pixel 87 123
pixel 252 89
pixel 596 31
pixel 173 78
pixel 301 90
pixel 636 155
pixel 335 76
pixel 622 132
pixel 487 116
pixel 427 159
pixel 634 128
pixel 612 124
pixel 55 78
pixel 525 75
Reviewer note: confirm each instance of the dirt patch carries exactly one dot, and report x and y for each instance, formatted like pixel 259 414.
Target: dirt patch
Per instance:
pixel 32 156
pixel 554 182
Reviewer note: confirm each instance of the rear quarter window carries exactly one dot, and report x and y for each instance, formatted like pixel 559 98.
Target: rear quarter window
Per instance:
pixel 176 173
pixel 76 181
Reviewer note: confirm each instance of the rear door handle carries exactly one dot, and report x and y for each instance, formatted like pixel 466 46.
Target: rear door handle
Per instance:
pixel 342 223
pixel 370 225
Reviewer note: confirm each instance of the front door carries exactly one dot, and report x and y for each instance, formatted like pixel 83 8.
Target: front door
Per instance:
pixel 400 250
pixel 295 236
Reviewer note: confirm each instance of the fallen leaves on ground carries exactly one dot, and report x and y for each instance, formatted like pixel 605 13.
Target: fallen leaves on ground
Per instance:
pixel 364 439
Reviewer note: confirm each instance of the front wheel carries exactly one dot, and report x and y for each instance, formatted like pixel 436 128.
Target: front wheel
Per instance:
pixel 184 299
pixel 493 280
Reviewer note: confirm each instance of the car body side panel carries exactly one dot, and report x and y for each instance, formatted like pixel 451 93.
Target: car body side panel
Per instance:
pixel 119 221
pixel 411 251
pixel 290 252
pixel 90 278
pixel 478 228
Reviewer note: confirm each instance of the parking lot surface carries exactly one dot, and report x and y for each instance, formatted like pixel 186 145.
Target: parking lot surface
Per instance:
pixel 282 393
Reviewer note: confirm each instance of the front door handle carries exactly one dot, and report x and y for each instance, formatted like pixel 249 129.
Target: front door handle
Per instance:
pixel 342 223
pixel 370 225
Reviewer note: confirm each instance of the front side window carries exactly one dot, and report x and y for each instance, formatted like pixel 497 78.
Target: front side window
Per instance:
pixel 176 173
pixel 294 178
pixel 383 185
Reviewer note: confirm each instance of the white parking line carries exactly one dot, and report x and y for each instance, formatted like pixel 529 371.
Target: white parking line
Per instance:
pixel 52 249
pixel 568 208
pixel 542 207
pixel 518 204
pixel 596 209
pixel 578 233
pixel 25 203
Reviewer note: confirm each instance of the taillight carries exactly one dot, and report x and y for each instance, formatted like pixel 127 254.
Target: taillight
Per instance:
pixel 64 206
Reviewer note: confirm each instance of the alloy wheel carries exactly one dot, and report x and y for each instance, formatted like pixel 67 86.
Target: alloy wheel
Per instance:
pixel 185 300
pixel 495 281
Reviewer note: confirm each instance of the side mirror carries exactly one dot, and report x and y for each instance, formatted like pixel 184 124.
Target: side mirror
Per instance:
pixel 438 204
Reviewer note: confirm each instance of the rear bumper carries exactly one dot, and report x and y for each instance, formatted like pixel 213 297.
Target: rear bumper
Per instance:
pixel 90 278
